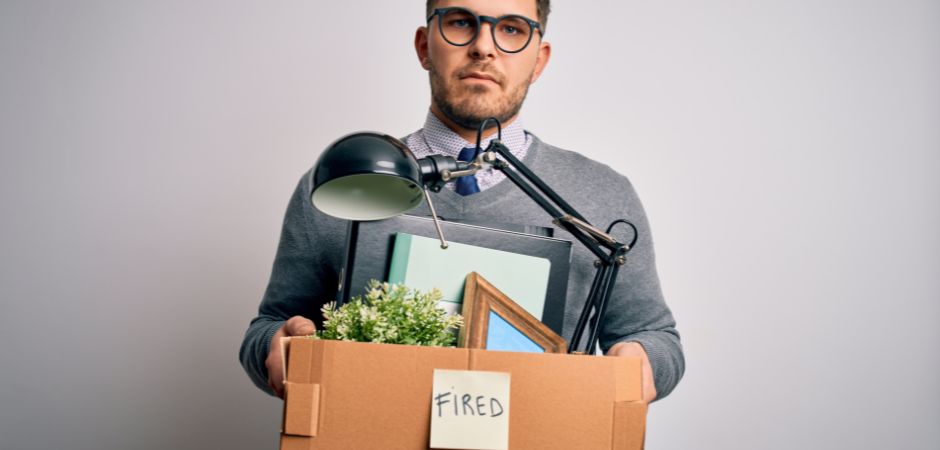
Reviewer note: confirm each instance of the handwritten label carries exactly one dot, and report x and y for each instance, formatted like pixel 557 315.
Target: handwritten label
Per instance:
pixel 470 410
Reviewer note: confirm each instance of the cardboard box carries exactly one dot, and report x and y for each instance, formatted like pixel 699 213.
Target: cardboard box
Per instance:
pixel 349 395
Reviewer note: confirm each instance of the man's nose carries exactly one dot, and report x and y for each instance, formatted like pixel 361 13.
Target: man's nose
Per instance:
pixel 483 46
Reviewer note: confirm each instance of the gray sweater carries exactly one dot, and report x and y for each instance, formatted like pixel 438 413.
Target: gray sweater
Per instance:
pixel 312 245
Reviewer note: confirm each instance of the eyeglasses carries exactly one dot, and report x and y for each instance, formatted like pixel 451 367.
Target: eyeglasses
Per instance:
pixel 511 33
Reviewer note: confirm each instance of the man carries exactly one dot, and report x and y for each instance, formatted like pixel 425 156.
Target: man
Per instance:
pixel 481 56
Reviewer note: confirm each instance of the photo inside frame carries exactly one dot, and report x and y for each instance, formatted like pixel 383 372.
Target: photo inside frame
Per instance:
pixel 501 335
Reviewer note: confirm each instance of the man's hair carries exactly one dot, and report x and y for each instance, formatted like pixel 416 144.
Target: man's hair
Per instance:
pixel 542 6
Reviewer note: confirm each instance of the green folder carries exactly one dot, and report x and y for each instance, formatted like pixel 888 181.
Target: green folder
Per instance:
pixel 421 263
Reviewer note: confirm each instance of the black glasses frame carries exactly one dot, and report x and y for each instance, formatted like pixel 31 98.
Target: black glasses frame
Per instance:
pixel 440 12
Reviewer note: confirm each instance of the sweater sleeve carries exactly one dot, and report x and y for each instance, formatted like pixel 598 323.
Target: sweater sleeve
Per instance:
pixel 303 278
pixel 637 311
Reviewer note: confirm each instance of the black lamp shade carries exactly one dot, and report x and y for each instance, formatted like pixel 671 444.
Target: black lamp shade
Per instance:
pixel 366 176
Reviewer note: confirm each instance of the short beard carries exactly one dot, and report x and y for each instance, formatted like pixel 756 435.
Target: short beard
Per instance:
pixel 470 113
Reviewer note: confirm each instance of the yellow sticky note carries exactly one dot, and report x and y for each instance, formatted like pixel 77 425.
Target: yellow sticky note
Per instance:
pixel 470 410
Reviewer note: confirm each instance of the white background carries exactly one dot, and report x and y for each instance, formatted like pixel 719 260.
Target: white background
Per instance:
pixel 785 150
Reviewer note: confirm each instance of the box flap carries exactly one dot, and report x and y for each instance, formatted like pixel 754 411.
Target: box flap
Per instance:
pixel 289 442
pixel 629 431
pixel 301 409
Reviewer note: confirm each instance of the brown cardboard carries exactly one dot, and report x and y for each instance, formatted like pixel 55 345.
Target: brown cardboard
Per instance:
pixel 304 403
pixel 349 395
pixel 630 437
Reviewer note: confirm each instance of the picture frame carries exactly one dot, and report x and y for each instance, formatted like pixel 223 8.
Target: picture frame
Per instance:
pixel 493 321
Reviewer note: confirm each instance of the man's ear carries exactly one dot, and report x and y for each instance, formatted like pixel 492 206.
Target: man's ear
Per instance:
pixel 421 47
pixel 541 60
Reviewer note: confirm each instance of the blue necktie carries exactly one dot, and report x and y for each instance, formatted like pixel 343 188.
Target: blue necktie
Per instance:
pixel 467 185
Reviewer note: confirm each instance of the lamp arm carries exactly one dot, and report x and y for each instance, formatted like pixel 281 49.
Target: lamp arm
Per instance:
pixel 566 217
pixel 600 301
pixel 605 275
pixel 601 288
pixel 557 215
pixel 601 236
pixel 611 253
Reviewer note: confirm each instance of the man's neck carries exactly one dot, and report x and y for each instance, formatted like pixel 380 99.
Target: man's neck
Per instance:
pixel 467 134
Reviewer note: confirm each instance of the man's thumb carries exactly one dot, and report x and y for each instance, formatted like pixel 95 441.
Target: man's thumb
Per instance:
pixel 299 326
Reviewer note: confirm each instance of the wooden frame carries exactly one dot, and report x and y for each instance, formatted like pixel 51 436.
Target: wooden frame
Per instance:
pixel 481 299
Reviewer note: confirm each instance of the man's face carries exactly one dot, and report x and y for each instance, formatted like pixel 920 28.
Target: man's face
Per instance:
pixel 478 81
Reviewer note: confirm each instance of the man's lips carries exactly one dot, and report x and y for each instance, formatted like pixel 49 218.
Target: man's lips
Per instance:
pixel 479 76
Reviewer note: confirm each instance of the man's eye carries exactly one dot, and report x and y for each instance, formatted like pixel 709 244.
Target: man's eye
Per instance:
pixel 510 30
pixel 460 23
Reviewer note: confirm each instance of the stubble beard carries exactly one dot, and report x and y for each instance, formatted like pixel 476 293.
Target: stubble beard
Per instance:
pixel 472 108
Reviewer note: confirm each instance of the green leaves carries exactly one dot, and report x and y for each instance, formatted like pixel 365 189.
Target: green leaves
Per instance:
pixel 391 314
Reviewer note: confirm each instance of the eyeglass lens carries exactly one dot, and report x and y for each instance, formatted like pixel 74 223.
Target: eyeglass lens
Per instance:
pixel 510 33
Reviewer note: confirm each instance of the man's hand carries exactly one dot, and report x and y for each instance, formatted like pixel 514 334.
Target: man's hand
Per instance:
pixel 636 350
pixel 295 326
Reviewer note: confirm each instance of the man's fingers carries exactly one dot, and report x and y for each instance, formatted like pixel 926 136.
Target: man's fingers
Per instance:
pixel 295 326
pixel 273 364
pixel 277 388
pixel 635 349
pixel 299 326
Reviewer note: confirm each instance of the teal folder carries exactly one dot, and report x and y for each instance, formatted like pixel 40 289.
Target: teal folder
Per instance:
pixel 420 263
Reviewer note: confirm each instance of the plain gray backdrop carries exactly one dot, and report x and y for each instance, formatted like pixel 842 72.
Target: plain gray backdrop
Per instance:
pixel 786 152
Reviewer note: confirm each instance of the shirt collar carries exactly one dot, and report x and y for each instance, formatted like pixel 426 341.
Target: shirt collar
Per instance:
pixel 442 140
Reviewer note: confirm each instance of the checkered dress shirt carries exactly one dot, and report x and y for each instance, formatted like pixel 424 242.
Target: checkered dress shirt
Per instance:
pixel 437 138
